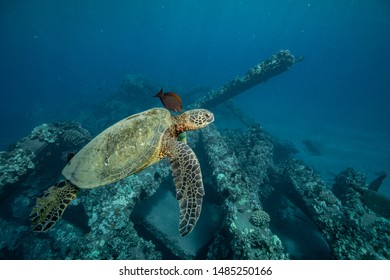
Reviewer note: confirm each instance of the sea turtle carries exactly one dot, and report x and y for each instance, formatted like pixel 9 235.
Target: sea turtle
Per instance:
pixel 125 148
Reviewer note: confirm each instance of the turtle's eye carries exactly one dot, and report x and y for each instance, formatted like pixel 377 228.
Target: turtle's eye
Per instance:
pixel 209 117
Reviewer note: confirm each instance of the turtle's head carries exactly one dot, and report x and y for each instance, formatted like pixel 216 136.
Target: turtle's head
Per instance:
pixel 194 119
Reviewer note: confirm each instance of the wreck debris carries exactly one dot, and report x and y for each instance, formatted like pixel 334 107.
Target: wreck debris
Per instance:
pixel 240 114
pixel 344 221
pixel 38 148
pixel 238 237
pixel 260 218
pixel 244 168
pixel 259 73
pixel 351 188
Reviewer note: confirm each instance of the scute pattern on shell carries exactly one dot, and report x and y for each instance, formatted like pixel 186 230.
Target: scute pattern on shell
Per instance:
pixel 126 147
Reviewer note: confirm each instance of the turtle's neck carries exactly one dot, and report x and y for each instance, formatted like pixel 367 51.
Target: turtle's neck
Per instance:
pixel 183 123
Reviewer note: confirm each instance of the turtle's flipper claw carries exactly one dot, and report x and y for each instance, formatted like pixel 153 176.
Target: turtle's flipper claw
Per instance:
pixel 49 208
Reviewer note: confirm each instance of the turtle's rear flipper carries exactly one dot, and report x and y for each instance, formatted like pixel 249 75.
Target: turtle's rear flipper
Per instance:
pixel 49 208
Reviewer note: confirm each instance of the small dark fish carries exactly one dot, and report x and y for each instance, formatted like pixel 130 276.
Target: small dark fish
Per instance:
pixel 170 100
pixel 312 147
pixel 376 184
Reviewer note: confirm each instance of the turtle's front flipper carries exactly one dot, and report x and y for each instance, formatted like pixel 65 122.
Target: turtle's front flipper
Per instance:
pixel 189 185
pixel 51 206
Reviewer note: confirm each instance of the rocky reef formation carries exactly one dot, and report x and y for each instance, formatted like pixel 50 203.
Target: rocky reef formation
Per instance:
pixel 256 193
pixel 89 230
pixel 136 218
pixel 244 233
pixel 351 229
pixel 32 153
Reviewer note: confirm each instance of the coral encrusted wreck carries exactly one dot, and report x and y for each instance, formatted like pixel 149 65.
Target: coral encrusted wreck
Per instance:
pixel 256 194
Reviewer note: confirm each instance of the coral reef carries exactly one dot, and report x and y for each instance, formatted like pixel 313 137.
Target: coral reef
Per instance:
pixel 111 234
pixel 96 226
pixel 260 218
pixel 16 163
pixel 252 183
pixel 242 180
pixel 28 168
pixel 254 152
pixel 238 237
pixel 346 186
pixel 347 225
pixel 47 143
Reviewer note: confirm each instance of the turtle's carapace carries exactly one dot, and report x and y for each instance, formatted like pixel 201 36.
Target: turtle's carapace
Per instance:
pixel 170 100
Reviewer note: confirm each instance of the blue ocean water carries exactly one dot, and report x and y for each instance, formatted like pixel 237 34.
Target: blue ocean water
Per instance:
pixel 55 54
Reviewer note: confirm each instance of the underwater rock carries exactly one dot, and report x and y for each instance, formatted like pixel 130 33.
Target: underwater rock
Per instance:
pixel 238 237
pixel 350 186
pixel 136 218
pixel 161 221
pixel 103 230
pixel 30 166
pixel 44 149
pixel 254 152
pixel 14 164
pixel 126 220
pixel 107 231
pixel 11 237
pixel 346 185
pixel 112 234
pixel 348 228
